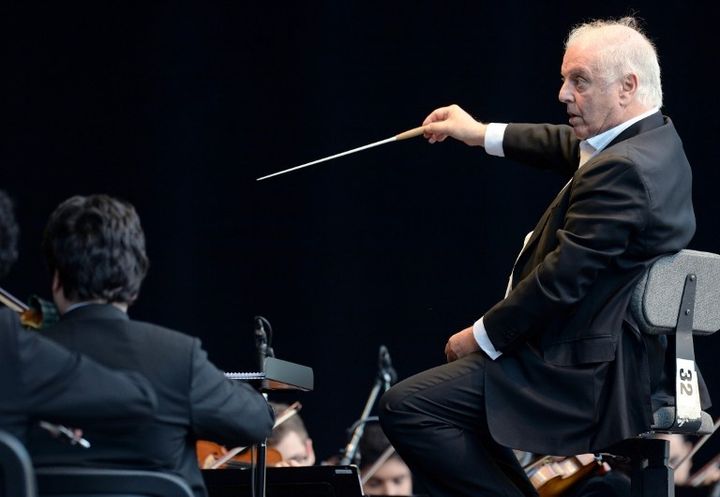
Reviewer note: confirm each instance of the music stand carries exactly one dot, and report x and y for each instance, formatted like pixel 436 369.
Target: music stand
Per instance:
pixel 276 375
pixel 310 481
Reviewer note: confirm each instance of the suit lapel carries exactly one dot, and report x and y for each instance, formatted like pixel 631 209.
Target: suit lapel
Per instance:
pixel 651 122
pixel 529 248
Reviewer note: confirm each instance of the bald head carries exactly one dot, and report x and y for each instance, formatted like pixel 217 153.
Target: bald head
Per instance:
pixel 619 49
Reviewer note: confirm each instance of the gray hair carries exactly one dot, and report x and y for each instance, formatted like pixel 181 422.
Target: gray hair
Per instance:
pixel 623 49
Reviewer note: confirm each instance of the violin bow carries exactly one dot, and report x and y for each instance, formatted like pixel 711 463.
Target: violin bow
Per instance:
pixel 12 302
pixel 697 446
pixel 387 454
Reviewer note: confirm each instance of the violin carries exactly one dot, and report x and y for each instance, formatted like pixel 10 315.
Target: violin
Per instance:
pixel 39 314
pixel 215 456
pixel 552 477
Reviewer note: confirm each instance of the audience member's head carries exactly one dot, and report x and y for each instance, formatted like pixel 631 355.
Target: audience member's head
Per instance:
pixel 391 477
pixel 8 235
pixel 290 438
pixel 95 250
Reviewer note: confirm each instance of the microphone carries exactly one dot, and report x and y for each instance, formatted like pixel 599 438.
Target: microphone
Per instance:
pixel 385 370
pixel 262 341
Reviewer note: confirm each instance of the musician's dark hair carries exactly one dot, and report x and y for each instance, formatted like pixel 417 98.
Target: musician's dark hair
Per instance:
pixel 97 247
pixel 9 234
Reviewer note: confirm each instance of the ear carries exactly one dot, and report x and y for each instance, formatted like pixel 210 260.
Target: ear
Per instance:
pixel 56 285
pixel 310 451
pixel 628 88
pixel 58 293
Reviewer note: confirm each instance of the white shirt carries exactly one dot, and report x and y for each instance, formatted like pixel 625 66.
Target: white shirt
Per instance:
pixel 494 135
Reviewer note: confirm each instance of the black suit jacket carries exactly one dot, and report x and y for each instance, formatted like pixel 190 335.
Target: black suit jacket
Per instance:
pixel 195 400
pixel 572 357
pixel 39 380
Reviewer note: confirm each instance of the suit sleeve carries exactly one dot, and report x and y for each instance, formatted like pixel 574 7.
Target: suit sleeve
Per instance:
pixel 61 386
pixel 226 411
pixel 608 205
pixel 544 146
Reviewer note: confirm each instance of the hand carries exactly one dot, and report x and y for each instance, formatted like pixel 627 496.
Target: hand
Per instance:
pixel 461 344
pixel 455 122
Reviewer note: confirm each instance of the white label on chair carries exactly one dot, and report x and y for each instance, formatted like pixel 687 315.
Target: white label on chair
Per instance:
pixel 687 392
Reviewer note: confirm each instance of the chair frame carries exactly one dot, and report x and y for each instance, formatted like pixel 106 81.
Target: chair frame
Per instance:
pixel 19 477
pixel 101 482
pixel 651 473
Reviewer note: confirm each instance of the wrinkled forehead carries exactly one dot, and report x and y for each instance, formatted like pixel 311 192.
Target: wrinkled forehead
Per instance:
pixel 579 60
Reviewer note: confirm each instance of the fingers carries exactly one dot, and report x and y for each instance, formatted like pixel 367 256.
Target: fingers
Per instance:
pixel 434 124
pixel 435 132
pixel 440 114
pixel 450 354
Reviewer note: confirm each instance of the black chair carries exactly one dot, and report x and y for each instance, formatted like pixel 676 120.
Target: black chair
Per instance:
pixel 17 478
pixel 92 482
pixel 679 295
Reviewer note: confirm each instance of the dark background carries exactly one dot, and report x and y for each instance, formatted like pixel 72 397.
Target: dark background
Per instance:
pixel 178 107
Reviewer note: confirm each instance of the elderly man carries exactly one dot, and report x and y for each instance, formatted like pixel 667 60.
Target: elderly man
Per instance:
pixel 557 366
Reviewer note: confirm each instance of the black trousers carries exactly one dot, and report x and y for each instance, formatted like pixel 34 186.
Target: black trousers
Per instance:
pixel 436 421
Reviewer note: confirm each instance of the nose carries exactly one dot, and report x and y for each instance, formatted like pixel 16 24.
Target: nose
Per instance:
pixel 565 95
pixel 387 489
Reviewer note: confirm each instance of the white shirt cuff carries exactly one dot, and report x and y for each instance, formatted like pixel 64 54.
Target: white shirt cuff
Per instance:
pixel 494 134
pixel 483 340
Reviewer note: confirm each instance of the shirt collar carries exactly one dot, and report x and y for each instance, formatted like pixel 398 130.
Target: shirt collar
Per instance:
pixel 78 305
pixel 599 142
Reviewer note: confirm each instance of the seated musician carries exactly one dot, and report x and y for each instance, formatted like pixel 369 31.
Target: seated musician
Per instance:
pixel 391 477
pixel 95 249
pixel 40 380
pixel 291 440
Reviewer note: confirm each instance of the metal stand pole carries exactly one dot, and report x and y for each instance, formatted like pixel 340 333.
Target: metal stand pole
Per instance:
pixel 261 469
pixel 382 381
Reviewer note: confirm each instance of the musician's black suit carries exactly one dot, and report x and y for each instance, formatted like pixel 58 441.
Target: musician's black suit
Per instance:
pixel 195 400
pixel 575 375
pixel 39 380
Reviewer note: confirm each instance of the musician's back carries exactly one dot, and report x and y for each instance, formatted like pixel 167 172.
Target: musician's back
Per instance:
pixel 194 397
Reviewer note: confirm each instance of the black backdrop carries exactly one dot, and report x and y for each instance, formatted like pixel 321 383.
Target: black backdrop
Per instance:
pixel 178 107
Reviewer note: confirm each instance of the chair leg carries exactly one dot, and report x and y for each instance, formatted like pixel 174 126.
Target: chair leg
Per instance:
pixel 652 475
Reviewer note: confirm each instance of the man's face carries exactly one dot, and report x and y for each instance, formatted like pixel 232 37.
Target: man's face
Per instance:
pixel 295 451
pixel 393 478
pixel 593 104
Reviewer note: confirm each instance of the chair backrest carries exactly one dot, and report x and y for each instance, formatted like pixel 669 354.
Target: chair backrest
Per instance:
pixel 680 295
pixel 656 301
pixel 17 478
pixel 95 482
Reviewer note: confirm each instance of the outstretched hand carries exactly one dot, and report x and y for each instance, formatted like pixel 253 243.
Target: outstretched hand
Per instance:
pixel 461 344
pixel 455 122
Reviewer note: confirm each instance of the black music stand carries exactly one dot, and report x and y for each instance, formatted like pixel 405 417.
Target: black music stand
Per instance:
pixel 311 481
pixel 276 375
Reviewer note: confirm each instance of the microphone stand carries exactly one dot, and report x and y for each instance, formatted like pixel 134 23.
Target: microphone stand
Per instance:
pixel 263 340
pixel 385 378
